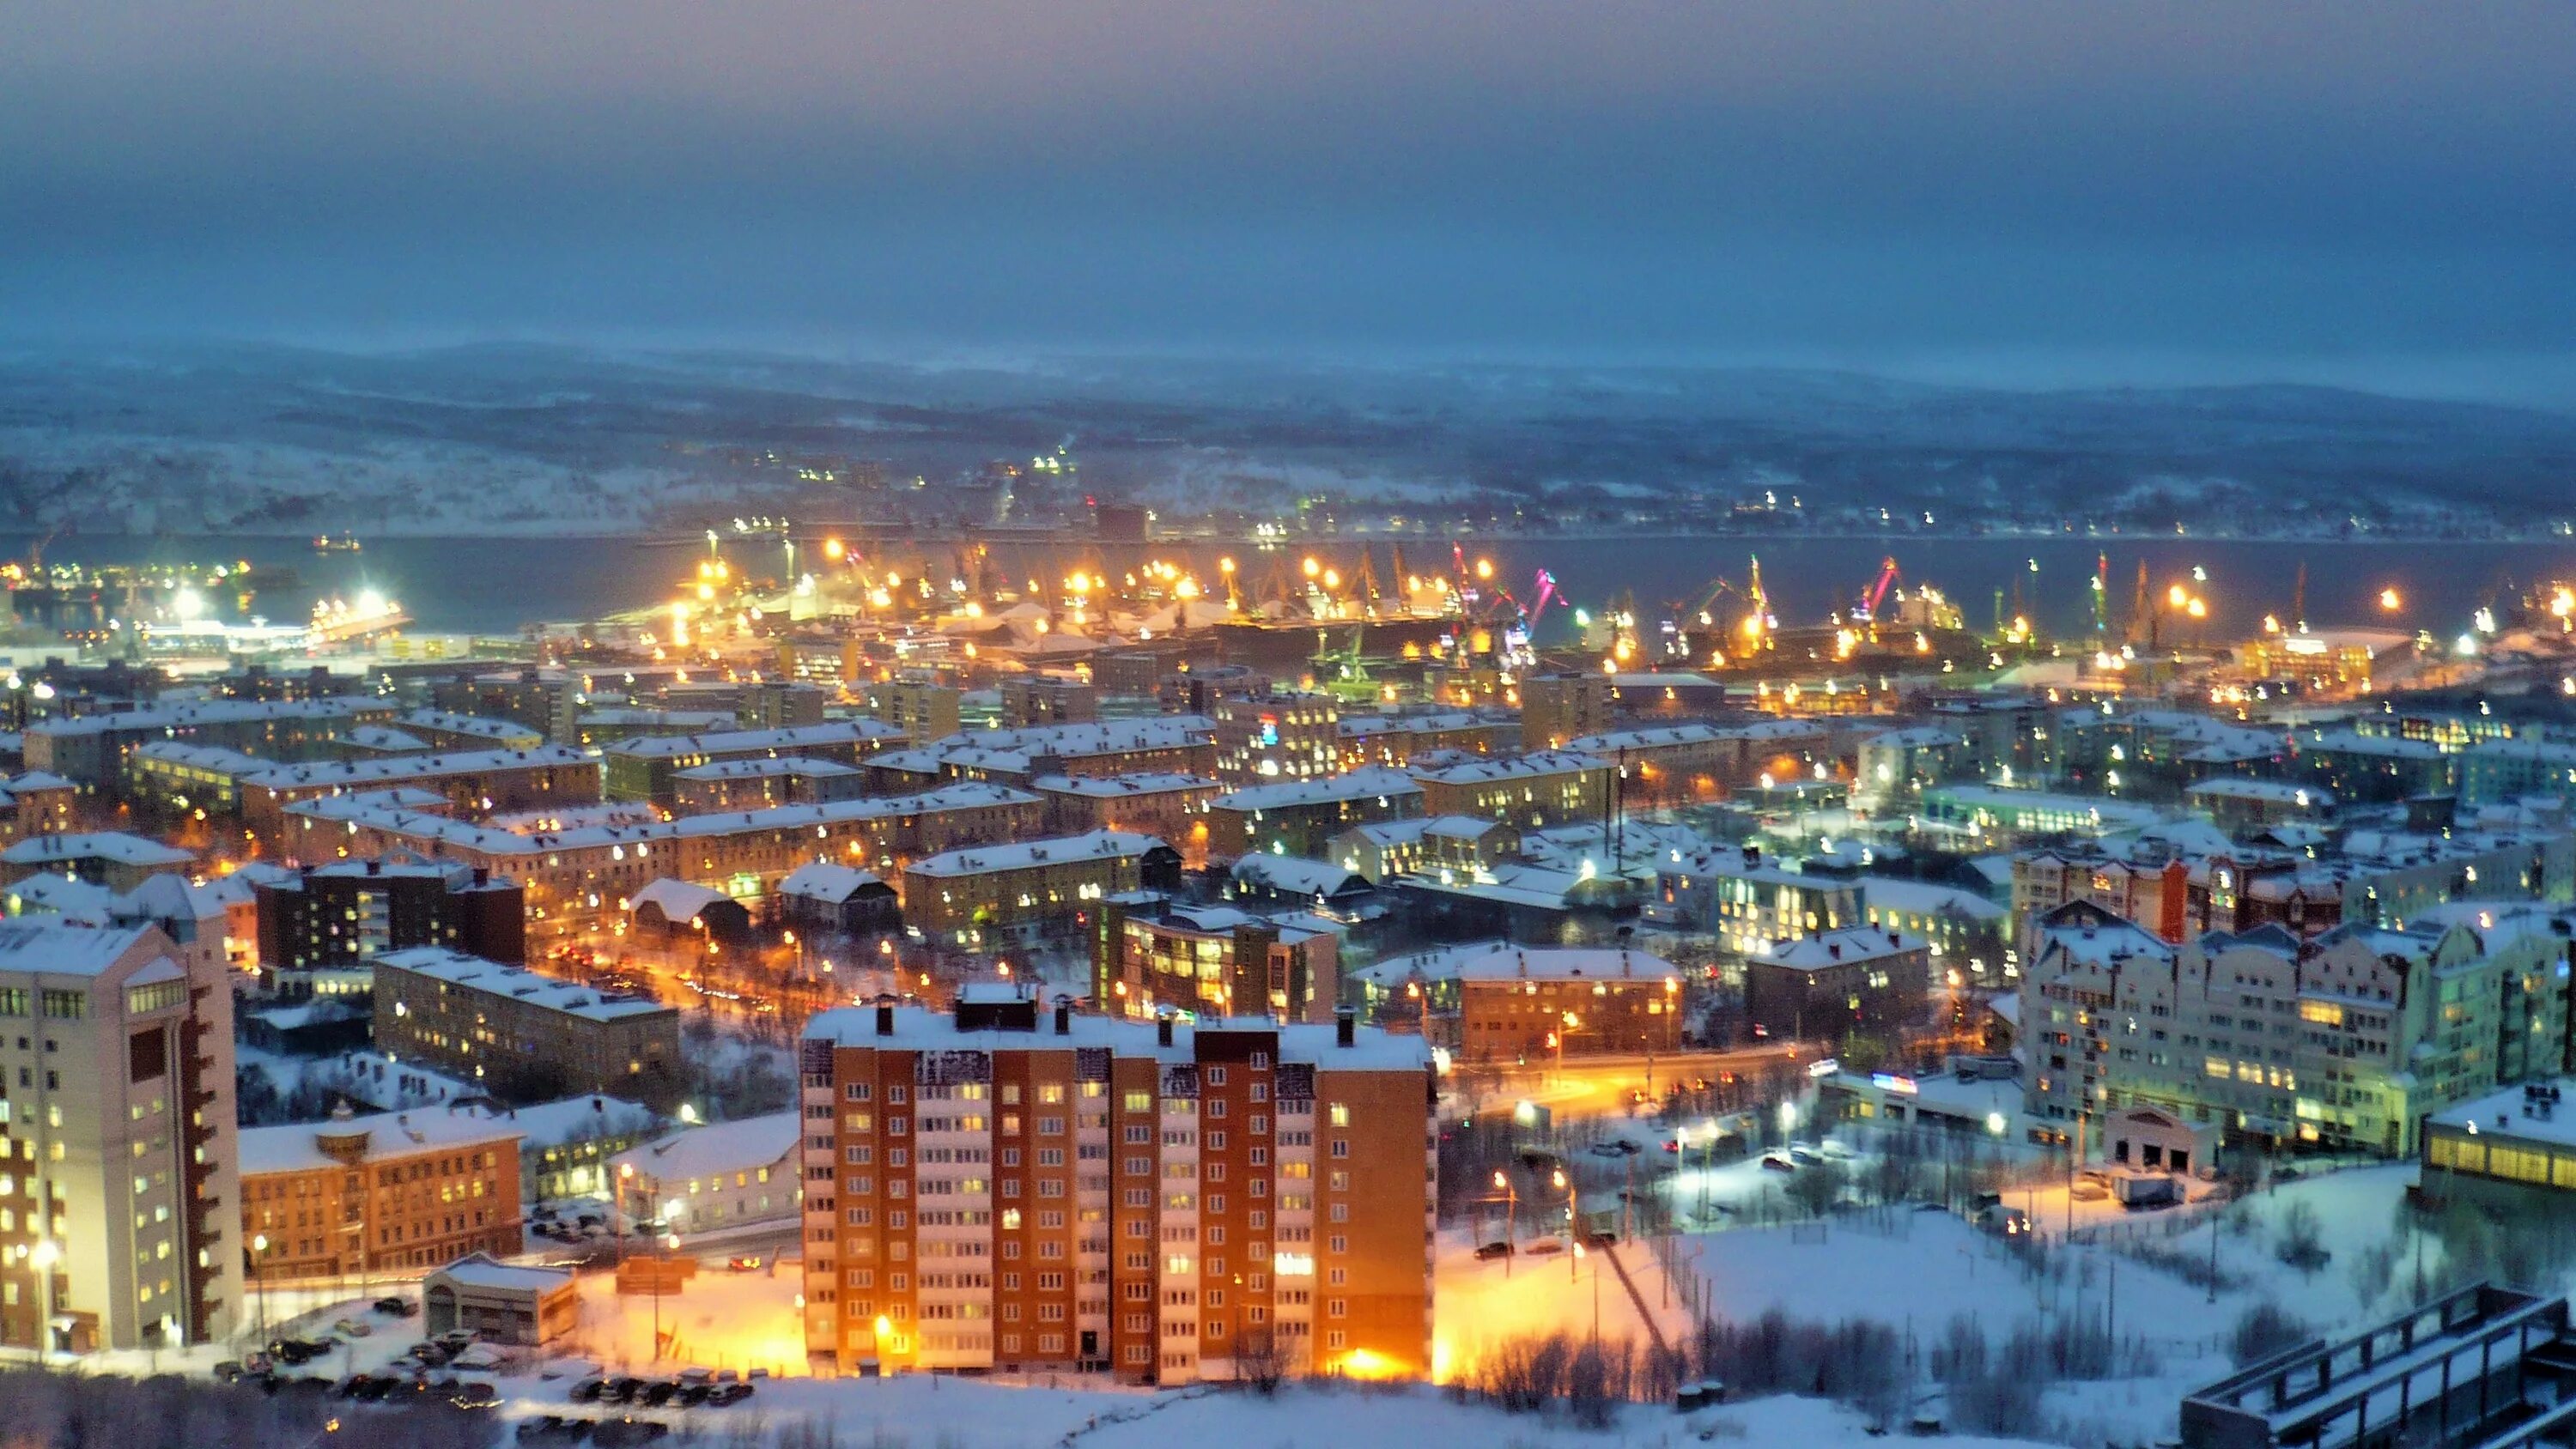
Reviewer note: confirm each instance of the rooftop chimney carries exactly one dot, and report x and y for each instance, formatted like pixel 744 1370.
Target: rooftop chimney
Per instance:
pixel 1064 1016
pixel 885 1018
pixel 1345 1026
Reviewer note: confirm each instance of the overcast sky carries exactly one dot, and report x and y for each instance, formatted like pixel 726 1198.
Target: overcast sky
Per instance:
pixel 2157 190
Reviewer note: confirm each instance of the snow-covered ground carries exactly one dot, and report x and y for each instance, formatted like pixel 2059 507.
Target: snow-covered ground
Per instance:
pixel 1913 1271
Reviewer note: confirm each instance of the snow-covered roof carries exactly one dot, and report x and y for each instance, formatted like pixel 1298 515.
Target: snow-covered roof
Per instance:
pixel 1297 875
pixel 2517 1111
pixel 1502 961
pixel 64 948
pixel 765 767
pixel 1919 737
pixel 1113 787
pixel 1022 855
pixel 456 968
pixel 826 882
pixel 1075 740
pixel 478 1270
pixel 468 724
pixel 1648 738
pixel 965 795
pixel 677 900
pixel 794 737
pixel 1538 765
pixel 204 757
pixel 219 711
pixel 61 895
pixel 357 773
pixel 167 897
pixel 2278 792
pixel 2349 742
pixel 1824 949
pixel 715 1149
pixel 1355 785
pixel 298 1148
pixel 918 1029
pixel 109 845
pixel 379 737
pixel 1924 898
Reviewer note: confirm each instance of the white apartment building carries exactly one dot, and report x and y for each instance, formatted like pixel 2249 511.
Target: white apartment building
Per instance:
pixel 119 1193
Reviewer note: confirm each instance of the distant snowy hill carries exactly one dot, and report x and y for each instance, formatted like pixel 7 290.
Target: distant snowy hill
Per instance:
pixel 523 438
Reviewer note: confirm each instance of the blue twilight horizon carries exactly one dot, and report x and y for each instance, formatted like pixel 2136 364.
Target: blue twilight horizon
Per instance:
pixel 2368 193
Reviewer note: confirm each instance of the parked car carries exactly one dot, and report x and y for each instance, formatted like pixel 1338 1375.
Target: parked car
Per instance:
pixel 1774 1162
pixel 228 1372
pixel 1490 1251
pixel 744 1263
pixel 729 1394
pixel 1542 1246
pixel 399 1307
pixel 351 1328
pixel 1805 1156
pixel 657 1393
pixel 475 1394
pixel 588 1390
pixel 692 1395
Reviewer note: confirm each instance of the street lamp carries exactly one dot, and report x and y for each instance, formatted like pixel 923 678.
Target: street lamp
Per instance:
pixel 45 1255
pixel 1511 1217
pixel 662 1270
pixel 259 1278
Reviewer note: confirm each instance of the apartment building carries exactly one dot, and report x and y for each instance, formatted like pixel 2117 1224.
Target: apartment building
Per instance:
pixel 716 1177
pixel 1531 792
pixel 1301 817
pixel 1029 1191
pixel 1825 984
pixel 2495 771
pixel 117 1144
pixel 1030 891
pixel 646 768
pixel 109 858
pixel 90 750
pixel 550 701
pixel 446 730
pixel 1172 806
pixel 1730 893
pixel 37 804
pixel 343 915
pixel 1531 1003
pixel 2373 769
pixel 1276 735
pixel 1045 699
pixel 473 784
pixel 1393 740
pixel 1894 766
pixel 920 709
pixel 1458 844
pixel 587 874
pixel 371 1194
pixel 522 1036
pixel 2348 1039
pixel 1557 709
pixel 1182 744
pixel 1149 957
pixel 764 784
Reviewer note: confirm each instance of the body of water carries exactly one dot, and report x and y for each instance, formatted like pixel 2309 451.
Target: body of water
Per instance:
pixel 496 585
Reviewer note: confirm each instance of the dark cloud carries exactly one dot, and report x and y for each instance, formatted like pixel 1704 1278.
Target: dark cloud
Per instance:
pixel 1793 179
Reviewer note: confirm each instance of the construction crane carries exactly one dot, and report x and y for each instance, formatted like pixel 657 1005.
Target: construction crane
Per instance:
pixel 1874 597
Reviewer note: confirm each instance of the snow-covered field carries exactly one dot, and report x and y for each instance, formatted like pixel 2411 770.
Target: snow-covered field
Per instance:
pixel 1913 1271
